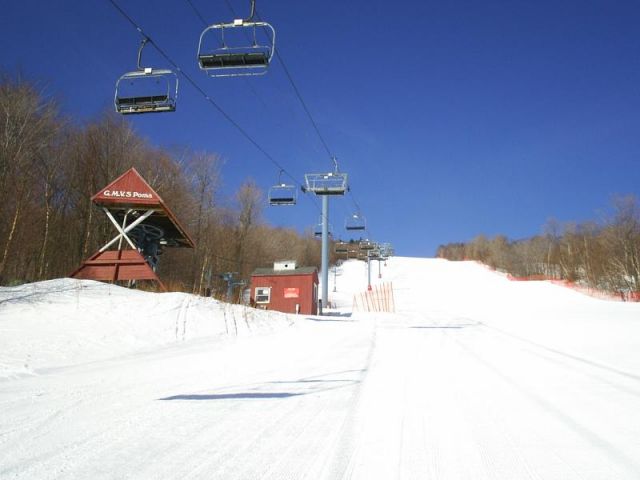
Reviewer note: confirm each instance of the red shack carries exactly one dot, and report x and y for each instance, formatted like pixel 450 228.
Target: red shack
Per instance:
pixel 285 288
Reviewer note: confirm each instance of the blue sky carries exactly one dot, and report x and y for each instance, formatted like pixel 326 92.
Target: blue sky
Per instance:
pixel 452 119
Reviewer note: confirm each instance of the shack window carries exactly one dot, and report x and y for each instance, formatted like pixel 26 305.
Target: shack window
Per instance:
pixel 263 294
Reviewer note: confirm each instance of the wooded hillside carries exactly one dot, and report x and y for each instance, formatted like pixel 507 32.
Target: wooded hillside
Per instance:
pixel 602 255
pixel 49 169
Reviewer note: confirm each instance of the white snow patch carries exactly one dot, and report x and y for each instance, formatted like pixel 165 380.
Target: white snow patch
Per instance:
pixel 66 322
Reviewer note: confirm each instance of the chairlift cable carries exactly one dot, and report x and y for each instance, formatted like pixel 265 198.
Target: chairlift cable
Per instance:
pixel 235 15
pixel 307 111
pixel 295 89
pixel 304 105
pixel 302 102
pixel 197 12
pixel 204 94
pixel 199 89
pixel 299 96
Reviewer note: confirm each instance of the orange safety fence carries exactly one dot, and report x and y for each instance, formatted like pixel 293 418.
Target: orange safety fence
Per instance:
pixel 592 292
pixel 379 299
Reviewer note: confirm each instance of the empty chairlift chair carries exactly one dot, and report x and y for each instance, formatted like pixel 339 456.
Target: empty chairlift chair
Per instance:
pixel 146 90
pixel 342 248
pixel 238 48
pixel 283 194
pixel 374 254
pixel 317 229
pixel 386 250
pixel 366 245
pixel 355 222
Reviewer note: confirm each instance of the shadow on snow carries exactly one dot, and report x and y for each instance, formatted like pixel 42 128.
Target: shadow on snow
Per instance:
pixel 300 387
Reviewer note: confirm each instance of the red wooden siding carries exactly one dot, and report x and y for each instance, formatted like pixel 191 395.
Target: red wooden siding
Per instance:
pixel 283 291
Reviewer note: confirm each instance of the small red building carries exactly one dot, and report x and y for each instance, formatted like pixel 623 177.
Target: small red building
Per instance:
pixel 285 288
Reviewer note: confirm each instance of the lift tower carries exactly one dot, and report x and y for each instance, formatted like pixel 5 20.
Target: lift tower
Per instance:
pixel 325 185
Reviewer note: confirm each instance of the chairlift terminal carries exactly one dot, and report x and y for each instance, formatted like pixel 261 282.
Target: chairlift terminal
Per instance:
pixel 333 183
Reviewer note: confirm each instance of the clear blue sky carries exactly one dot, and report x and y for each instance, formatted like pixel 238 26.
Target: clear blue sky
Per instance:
pixel 452 118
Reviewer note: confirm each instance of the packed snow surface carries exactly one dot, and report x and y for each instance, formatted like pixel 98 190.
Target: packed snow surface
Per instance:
pixel 472 377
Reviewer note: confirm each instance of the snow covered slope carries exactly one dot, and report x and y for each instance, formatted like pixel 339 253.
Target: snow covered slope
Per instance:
pixel 540 311
pixel 473 377
pixel 67 322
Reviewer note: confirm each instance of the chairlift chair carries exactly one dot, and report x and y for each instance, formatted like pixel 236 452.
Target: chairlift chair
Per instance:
pixel 283 194
pixel 355 222
pixel 317 229
pixel 146 90
pixel 342 248
pixel 233 49
pixel 374 254
pixel 366 245
pixel 386 250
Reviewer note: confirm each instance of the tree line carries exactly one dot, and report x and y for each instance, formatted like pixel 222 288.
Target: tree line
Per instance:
pixel 602 255
pixel 50 168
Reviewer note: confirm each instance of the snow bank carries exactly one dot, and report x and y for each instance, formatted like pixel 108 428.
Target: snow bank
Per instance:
pixel 67 322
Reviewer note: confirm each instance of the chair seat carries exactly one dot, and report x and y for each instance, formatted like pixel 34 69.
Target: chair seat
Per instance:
pixel 339 191
pixel 282 200
pixel 231 60
pixel 147 100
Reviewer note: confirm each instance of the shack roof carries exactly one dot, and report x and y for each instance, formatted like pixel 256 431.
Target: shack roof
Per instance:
pixel 270 272
pixel 129 191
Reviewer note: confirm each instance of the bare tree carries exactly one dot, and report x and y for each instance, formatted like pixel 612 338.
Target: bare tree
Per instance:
pixel 622 239
pixel 249 199
pixel 27 129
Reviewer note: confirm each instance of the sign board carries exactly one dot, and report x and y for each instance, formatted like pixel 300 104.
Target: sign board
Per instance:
pixel 128 189
pixel 291 292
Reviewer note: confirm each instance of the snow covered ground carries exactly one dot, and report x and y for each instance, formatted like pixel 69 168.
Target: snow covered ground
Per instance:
pixel 473 377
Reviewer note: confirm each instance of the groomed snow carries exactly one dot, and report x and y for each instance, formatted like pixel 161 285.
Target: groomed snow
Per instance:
pixel 473 377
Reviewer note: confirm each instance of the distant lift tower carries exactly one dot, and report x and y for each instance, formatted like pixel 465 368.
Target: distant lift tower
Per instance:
pixel 325 185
